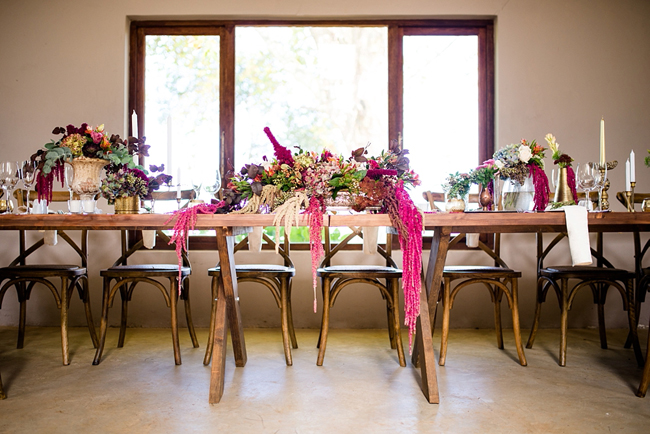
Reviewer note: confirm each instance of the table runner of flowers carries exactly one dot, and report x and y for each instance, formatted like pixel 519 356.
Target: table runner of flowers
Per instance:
pixel 304 182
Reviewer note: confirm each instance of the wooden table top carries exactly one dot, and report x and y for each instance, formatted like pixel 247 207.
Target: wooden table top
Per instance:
pixel 459 222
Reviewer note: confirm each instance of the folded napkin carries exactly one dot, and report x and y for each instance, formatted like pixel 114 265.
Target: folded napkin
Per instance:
pixel 255 239
pixel 370 239
pixel 149 239
pixel 471 240
pixel 578 232
pixel 50 238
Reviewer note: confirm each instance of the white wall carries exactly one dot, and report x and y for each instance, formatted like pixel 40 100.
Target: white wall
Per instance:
pixel 560 66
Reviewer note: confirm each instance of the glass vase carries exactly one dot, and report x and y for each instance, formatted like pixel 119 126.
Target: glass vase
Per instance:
pixel 517 196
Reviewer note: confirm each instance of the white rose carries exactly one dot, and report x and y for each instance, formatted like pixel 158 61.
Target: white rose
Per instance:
pixel 266 165
pixel 524 153
pixel 499 164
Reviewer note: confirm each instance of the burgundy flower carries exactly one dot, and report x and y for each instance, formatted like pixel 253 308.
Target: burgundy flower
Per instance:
pixel 282 154
pixel 378 173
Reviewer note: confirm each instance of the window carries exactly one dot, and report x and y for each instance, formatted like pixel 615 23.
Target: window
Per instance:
pixel 204 90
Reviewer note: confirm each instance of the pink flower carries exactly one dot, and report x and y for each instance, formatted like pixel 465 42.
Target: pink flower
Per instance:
pixel 97 137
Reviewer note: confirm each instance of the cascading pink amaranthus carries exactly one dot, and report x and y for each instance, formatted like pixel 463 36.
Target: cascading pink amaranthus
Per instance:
pixel 315 212
pixel 185 222
pixel 542 190
pixel 406 217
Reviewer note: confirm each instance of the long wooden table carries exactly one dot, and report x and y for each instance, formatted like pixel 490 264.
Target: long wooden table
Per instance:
pixel 226 226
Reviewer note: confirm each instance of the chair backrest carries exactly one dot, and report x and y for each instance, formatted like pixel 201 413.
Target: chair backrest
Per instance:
pixel 330 252
pixel 490 244
pixel 57 196
pixel 436 200
pixel 543 251
pixel 284 249
pixel 638 197
pixel 132 241
pixel 81 249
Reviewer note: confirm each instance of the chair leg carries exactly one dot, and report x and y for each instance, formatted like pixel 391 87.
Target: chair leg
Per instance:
pixel 601 326
pixel 22 299
pixel 292 332
pixel 324 327
pixel 89 314
pixel 65 346
pixel 498 295
pixel 391 333
pixel 284 314
pixel 2 390
pixel 645 379
pixel 396 322
pixel 188 313
pixel 446 302
pixel 213 313
pixel 103 326
pixel 124 294
pixel 564 321
pixel 515 322
pixel 538 312
pixel 173 296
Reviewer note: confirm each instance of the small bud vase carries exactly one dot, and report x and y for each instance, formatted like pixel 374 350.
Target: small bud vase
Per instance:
pixel 455 204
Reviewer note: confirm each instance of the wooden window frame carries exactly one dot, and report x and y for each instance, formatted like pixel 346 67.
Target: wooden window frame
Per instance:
pixel 397 29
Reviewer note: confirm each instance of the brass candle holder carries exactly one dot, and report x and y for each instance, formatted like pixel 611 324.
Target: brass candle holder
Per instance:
pixel 604 196
pixel 629 197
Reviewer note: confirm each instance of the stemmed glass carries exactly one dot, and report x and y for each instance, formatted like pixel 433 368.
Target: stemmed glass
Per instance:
pixel 28 176
pixel 10 172
pixel 214 188
pixel 600 177
pixel 586 180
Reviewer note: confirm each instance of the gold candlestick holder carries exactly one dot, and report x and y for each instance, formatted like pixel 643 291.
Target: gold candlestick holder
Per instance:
pixel 629 197
pixel 604 196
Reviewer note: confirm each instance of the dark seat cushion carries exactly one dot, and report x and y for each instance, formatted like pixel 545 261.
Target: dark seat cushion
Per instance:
pixel 378 271
pixel 42 270
pixel 267 269
pixel 585 273
pixel 149 270
pixel 478 271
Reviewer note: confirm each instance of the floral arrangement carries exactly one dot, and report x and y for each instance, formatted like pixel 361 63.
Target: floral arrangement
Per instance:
pixel 297 183
pixel 518 161
pixel 563 161
pixel 457 185
pixel 82 142
pixel 484 174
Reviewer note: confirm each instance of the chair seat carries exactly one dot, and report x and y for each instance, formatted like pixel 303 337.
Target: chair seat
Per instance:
pixel 479 271
pixel 377 271
pixel 269 270
pixel 43 270
pixel 586 273
pixel 151 270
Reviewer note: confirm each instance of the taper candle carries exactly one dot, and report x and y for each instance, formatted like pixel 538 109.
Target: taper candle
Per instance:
pixel 627 176
pixel 632 171
pixel 603 160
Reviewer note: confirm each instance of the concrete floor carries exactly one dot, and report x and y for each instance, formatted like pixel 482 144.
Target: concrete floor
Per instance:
pixel 360 389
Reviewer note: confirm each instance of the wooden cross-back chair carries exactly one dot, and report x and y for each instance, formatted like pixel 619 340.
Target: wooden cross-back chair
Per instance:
pixel 642 275
pixel 276 277
pixel 384 277
pixel 498 279
pixel 124 277
pixel 567 280
pixel 24 277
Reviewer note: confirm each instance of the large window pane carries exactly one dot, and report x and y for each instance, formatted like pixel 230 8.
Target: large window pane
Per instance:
pixel 315 87
pixel 440 107
pixel 182 105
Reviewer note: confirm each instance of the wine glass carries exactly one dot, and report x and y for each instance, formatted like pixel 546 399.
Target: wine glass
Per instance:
pixel 10 171
pixel 600 177
pixel 586 180
pixel 28 177
pixel 197 183
pixel 213 189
